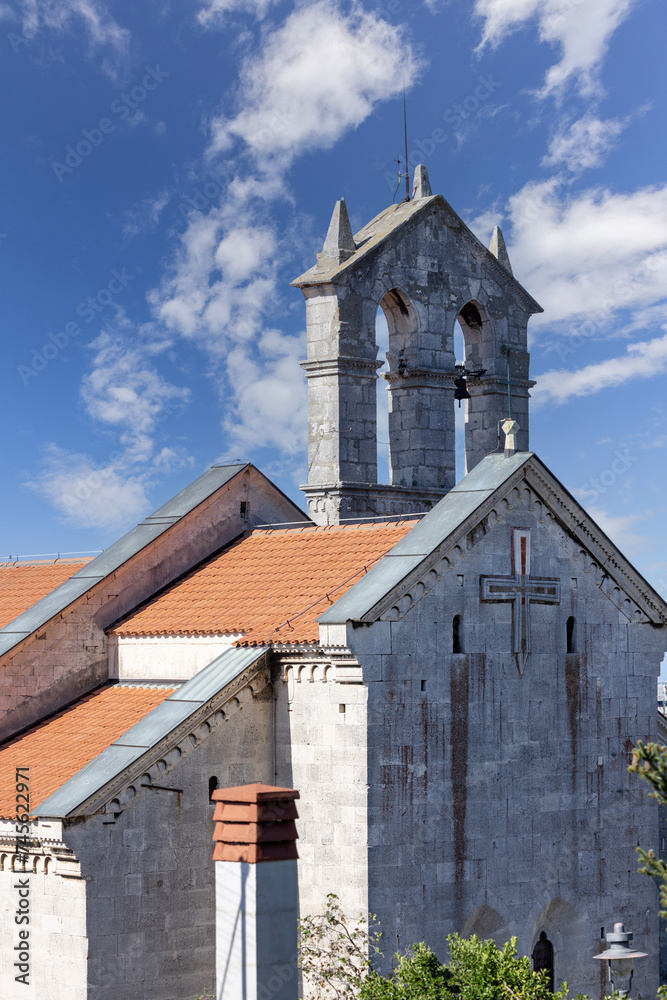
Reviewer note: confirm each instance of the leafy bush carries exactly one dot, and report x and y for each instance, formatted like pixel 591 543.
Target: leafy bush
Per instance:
pixel 477 970
pixel 335 957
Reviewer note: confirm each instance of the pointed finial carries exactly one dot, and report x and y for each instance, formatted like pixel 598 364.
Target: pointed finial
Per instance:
pixel 499 250
pixel 339 244
pixel 421 187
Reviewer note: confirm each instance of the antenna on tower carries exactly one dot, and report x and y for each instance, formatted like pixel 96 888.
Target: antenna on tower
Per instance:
pixel 404 176
pixel 405 132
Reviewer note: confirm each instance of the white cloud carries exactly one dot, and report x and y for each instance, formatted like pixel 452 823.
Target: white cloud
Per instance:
pixel 214 11
pixel 145 217
pixel 319 74
pixel 171 459
pixel 124 393
pixel 89 494
pixel 584 144
pixel 101 29
pixel 588 255
pixel 269 407
pixel 620 528
pixel 641 360
pixel 580 28
pixel 124 389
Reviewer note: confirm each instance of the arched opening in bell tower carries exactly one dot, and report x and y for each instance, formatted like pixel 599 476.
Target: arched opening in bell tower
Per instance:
pixel 459 410
pixel 474 348
pixel 404 410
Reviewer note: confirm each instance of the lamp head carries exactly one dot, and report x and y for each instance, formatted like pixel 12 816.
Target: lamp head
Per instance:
pixel 619 954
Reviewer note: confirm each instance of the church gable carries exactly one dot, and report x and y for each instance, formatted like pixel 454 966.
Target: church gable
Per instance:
pixel 497 490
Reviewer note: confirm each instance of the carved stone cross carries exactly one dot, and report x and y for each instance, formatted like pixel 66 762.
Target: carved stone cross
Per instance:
pixel 521 590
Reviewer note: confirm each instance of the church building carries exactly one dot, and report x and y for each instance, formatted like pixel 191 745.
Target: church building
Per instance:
pixel 452 674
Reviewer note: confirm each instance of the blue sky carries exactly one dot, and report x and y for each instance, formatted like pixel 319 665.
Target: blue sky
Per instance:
pixel 169 168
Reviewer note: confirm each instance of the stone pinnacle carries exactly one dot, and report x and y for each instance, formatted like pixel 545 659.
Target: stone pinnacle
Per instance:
pixel 421 187
pixel 339 244
pixel 499 250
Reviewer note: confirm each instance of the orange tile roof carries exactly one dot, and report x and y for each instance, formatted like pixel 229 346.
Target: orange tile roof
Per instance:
pixel 269 586
pixel 57 748
pixel 23 584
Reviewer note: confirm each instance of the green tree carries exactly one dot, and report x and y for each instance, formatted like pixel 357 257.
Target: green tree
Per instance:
pixel 649 761
pixel 336 957
pixel 477 970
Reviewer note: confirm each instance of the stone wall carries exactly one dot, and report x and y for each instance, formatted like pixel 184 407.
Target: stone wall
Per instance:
pixel 500 803
pixel 147 862
pixel 57 931
pixel 164 657
pixel 321 744
pixel 426 270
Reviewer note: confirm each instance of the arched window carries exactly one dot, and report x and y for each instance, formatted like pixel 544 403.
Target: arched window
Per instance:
pixel 212 786
pixel 457 634
pixel 543 958
pixel 572 635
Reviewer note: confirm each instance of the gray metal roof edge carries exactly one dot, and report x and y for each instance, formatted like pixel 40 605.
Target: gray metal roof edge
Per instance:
pixel 42 611
pixel 428 534
pixel 109 764
pixel 46 608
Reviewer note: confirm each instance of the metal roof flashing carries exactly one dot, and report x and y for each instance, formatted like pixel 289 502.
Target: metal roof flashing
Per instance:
pixel 118 553
pixel 458 506
pixel 149 731
pixel 434 528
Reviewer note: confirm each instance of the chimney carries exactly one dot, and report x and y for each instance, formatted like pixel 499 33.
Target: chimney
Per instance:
pixel 255 892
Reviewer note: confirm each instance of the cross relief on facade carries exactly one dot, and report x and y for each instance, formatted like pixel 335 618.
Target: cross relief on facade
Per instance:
pixel 521 590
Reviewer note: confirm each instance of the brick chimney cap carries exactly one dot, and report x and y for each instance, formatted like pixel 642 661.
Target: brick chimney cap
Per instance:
pixel 254 793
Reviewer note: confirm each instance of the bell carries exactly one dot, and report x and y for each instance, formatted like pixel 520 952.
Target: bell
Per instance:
pixel 461 389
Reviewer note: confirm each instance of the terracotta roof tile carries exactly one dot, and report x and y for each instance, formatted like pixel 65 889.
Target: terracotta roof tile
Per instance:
pixel 269 586
pixel 57 748
pixel 23 584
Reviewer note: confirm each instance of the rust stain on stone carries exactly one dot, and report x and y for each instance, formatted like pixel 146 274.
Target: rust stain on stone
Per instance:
pixel 459 693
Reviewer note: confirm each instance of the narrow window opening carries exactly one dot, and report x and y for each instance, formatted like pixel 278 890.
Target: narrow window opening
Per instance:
pixel 212 787
pixel 543 958
pixel 572 635
pixel 457 634
pixel 341 709
pixel 244 508
pixel 423 685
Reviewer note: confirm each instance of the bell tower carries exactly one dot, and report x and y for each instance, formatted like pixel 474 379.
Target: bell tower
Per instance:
pixel 425 268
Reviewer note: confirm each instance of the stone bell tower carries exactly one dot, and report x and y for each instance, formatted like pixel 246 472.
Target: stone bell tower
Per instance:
pixel 425 268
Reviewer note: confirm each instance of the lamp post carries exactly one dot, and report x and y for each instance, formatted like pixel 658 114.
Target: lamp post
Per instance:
pixel 620 956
